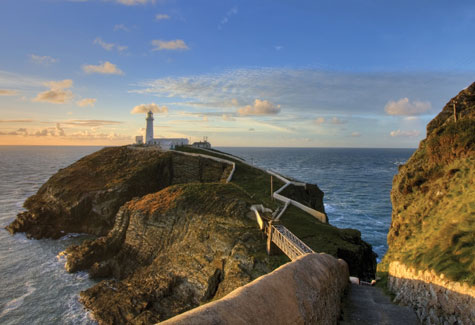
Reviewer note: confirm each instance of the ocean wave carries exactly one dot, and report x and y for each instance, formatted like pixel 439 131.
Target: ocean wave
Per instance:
pixel 17 302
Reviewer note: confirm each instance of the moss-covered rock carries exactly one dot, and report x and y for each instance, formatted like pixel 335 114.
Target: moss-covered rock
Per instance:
pixel 433 197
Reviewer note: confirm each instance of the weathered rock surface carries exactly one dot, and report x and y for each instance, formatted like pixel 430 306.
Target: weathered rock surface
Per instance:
pixel 433 218
pixel 85 197
pixel 306 291
pixel 184 245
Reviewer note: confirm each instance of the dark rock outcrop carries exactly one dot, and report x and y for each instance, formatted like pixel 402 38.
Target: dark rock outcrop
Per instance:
pixel 85 197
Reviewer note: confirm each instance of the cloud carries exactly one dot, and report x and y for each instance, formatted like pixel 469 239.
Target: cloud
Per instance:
pixel 310 91
pixel 62 84
pixel 104 68
pixel 278 47
pixel 399 133
pixel 355 134
pixel 337 121
pixel 233 11
pixel 405 107
pixel 90 123
pixel 16 121
pixel 144 108
pixel 8 92
pixel 160 45
pixel 58 92
pixel 159 17
pixel 228 117
pixel 46 132
pixel 260 107
pixel 109 46
pixel 134 2
pixel 86 102
pixel 319 121
pixel 42 59
pixel 121 27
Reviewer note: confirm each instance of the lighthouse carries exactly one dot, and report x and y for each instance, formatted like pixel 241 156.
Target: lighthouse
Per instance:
pixel 149 129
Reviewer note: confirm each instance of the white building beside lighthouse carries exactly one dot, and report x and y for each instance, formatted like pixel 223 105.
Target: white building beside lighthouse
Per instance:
pixel 163 143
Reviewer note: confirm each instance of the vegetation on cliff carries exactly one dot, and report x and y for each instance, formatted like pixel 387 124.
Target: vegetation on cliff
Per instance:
pixel 433 196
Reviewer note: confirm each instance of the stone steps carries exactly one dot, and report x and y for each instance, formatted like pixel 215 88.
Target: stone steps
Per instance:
pixel 370 305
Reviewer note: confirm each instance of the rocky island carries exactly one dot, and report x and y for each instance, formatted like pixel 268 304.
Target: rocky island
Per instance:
pixel 431 240
pixel 172 233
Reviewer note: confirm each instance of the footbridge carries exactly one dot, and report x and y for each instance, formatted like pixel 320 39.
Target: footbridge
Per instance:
pixel 280 236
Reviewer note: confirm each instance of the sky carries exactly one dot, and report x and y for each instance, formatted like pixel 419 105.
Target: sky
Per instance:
pixel 280 73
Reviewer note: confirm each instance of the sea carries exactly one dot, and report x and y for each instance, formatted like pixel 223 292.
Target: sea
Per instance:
pixel 35 288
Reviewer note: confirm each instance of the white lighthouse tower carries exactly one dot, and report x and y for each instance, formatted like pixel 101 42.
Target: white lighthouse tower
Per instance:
pixel 149 129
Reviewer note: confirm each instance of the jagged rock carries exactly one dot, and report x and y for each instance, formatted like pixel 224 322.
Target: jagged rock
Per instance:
pixel 184 245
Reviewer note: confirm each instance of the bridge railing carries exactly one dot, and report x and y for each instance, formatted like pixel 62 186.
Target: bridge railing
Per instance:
pixel 288 243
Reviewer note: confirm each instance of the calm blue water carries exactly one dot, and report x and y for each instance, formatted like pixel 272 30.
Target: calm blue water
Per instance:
pixel 356 182
pixel 35 289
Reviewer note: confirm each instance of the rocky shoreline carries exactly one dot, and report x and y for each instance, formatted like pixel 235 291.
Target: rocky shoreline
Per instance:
pixel 172 234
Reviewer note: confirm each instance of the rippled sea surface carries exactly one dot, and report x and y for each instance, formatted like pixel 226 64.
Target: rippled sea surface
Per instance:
pixel 357 182
pixel 35 288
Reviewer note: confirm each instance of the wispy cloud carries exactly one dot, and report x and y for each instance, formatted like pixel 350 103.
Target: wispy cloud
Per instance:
pixel 135 2
pixel 319 121
pixel 16 121
pixel 8 92
pixel 86 102
pixel 58 93
pixel 145 108
pixel 231 12
pixel 337 121
pixel 259 107
pixel 57 131
pixel 90 123
pixel 405 107
pixel 45 60
pixel 103 68
pixel 109 46
pixel 159 17
pixel 159 45
pixel 310 91
pixel 121 27
pixel 400 133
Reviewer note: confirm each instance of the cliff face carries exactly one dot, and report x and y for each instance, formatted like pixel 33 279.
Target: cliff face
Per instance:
pixel 183 246
pixel 433 219
pixel 85 197
pixel 171 233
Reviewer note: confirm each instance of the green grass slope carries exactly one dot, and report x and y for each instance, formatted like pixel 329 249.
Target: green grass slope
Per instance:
pixel 433 196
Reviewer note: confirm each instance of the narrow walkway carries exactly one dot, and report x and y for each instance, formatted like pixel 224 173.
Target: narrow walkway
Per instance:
pixel 370 305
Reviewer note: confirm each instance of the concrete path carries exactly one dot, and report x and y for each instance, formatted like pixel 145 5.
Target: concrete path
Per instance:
pixel 370 305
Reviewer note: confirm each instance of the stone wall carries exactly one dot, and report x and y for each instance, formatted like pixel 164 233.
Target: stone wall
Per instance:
pixel 435 299
pixel 306 291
